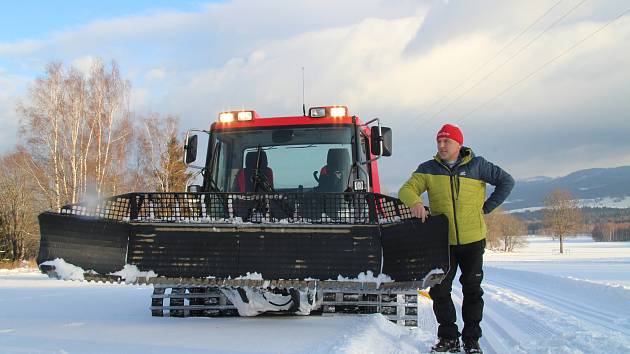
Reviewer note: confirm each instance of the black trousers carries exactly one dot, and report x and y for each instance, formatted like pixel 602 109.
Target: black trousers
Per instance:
pixel 469 258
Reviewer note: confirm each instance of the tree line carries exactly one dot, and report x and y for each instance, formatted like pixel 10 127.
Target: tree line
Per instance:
pixel 561 218
pixel 603 224
pixel 79 140
pixel 611 232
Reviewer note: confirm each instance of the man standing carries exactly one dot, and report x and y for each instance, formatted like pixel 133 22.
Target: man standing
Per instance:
pixel 456 183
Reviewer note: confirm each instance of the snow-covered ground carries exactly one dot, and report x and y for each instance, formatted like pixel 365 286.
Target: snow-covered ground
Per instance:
pixel 537 301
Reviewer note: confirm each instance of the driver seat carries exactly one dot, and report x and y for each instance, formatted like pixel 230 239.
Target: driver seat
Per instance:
pixel 334 176
pixel 243 180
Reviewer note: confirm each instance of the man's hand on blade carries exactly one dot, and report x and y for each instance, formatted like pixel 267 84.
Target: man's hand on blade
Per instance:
pixel 418 211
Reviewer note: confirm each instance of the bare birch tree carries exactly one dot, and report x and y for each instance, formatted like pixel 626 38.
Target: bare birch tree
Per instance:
pixel 561 216
pixel 611 232
pixel 77 130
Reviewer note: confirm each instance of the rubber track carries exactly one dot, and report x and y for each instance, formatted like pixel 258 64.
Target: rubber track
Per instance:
pixel 325 285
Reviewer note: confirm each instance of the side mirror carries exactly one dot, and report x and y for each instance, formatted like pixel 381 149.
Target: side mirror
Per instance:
pixel 387 141
pixel 190 149
pixel 381 135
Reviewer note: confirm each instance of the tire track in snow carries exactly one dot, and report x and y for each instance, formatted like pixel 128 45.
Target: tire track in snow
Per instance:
pixel 506 328
pixel 495 339
pixel 577 309
pixel 558 329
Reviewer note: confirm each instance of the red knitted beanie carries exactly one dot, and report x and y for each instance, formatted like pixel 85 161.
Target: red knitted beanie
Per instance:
pixel 451 131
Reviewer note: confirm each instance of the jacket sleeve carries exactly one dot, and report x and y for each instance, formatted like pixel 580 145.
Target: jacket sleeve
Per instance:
pixel 411 191
pixel 502 181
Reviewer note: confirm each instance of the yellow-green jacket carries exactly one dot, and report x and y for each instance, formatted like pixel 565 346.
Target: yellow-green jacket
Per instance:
pixel 459 193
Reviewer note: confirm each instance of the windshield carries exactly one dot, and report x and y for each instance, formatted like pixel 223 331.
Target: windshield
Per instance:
pixel 290 158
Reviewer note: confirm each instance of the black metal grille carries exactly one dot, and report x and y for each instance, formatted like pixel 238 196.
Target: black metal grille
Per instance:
pixel 308 208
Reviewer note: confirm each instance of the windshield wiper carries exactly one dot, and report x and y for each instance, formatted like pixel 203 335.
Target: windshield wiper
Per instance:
pixel 263 182
pixel 212 185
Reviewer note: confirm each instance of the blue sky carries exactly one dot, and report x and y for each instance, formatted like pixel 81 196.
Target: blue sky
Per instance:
pixel 508 72
pixel 34 19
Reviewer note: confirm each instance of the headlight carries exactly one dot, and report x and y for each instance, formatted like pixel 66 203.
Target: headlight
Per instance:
pixel 338 112
pixel 244 116
pixel 328 111
pixel 317 112
pixel 226 117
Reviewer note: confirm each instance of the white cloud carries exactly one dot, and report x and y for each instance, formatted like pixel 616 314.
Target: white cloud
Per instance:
pixel 216 29
pixel 139 99
pixel 84 64
pixel 9 119
pixel 155 74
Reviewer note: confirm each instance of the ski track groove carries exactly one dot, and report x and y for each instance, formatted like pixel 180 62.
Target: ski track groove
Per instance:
pixel 493 343
pixel 534 320
pixel 527 328
pixel 574 330
pixel 536 325
pixel 578 310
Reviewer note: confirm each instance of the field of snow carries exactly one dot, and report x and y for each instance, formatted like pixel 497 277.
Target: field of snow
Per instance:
pixel 537 301
pixel 605 202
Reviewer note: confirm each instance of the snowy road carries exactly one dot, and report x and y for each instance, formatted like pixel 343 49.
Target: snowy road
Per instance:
pixel 564 309
pixel 534 313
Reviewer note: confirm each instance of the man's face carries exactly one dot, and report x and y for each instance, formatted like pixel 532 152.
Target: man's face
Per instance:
pixel 448 149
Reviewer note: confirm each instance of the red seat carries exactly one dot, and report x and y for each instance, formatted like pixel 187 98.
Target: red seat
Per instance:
pixel 334 176
pixel 243 180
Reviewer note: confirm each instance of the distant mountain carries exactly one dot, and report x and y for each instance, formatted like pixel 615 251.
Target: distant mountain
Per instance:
pixel 598 186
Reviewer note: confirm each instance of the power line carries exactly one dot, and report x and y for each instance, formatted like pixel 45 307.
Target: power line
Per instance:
pixel 483 65
pixel 527 45
pixel 540 68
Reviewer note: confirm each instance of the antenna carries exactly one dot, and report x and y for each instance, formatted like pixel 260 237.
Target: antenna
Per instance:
pixel 303 102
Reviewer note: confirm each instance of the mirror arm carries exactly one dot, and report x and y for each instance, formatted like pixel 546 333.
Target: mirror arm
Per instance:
pixel 371 160
pixel 186 147
pixel 370 122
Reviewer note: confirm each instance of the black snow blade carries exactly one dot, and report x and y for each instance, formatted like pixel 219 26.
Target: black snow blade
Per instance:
pixel 416 251
pixel 91 243
pixel 226 235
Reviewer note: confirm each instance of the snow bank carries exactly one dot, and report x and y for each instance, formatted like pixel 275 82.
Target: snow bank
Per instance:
pixel 130 273
pixel 68 271
pixel 368 277
pixel 435 271
pixel 65 271
pixel 251 276
pixel 19 270
pixel 426 318
pixel 376 334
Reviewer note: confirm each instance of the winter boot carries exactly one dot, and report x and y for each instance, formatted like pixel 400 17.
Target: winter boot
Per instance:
pixel 446 345
pixel 471 345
